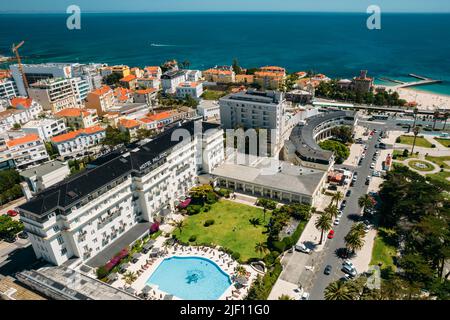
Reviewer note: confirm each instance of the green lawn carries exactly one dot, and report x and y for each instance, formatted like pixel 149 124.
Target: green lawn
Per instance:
pixel 420 141
pixel 440 176
pixel 427 166
pixel 398 155
pixel 440 161
pixel 231 229
pixel 444 142
pixel 384 249
pixel 213 94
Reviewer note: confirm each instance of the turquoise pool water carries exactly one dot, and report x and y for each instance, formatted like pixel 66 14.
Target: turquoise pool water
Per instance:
pixel 190 278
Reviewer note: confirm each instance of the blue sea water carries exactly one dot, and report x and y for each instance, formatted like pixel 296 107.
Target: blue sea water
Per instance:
pixel 190 278
pixel 337 44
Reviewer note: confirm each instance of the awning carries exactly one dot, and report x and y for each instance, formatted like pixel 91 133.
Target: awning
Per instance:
pixel 168 297
pixel 147 289
pixel 137 255
pixel 124 266
pixel 112 277
pixel 149 244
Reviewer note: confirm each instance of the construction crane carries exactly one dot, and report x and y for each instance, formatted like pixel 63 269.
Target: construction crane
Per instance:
pixel 15 50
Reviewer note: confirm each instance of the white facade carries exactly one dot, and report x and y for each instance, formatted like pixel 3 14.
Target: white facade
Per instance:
pixel 28 150
pixel 45 128
pixel 93 222
pixel 36 72
pixel 77 142
pixel 80 88
pixel 171 80
pixel 7 89
pixel 193 89
pixel 193 75
pixel 54 94
pixel 209 109
pixel 10 117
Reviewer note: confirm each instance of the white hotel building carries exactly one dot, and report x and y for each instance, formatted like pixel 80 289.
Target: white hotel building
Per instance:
pixel 82 216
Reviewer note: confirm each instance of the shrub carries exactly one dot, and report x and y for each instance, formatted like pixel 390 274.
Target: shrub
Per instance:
pixel 193 238
pixel 398 140
pixel 209 223
pixel 211 198
pixel 433 146
pixel 261 288
pixel 154 227
pixel 194 209
pixel 102 272
pixel 224 193
pixel 236 255
pixel 206 208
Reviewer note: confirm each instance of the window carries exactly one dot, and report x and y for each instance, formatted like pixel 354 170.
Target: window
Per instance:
pixel 56 228
pixel 60 239
pixel 63 251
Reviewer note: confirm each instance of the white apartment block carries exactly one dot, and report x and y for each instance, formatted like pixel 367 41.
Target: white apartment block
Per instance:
pixel 87 213
pixel 10 117
pixel 193 89
pixel 80 88
pixel 254 109
pixel 54 94
pixel 79 141
pixel 27 150
pixel 209 110
pixel 31 107
pixel 171 80
pixel 38 72
pixel 45 128
pixel 8 89
pixel 193 75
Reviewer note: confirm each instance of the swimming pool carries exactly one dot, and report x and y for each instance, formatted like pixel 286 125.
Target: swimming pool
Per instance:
pixel 190 278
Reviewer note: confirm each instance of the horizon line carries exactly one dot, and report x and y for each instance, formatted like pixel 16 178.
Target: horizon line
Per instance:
pixel 218 11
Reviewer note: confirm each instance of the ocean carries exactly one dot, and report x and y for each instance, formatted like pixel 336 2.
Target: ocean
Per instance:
pixel 337 44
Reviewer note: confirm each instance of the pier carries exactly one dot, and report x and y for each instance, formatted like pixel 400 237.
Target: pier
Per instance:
pixel 422 81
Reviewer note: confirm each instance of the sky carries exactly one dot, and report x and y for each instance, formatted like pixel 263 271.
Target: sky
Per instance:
pixel 60 6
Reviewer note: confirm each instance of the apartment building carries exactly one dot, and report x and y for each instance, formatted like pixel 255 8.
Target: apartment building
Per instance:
pixel 80 88
pixel 153 72
pixel 148 83
pixel 193 75
pixel 27 150
pixel 171 80
pixel 76 143
pixel 8 89
pixel 31 107
pixel 100 99
pixel 130 125
pixel 45 128
pixel 192 89
pixel 220 75
pixel 255 109
pixel 121 70
pixel 78 118
pixel 83 215
pixel 129 82
pixel 147 96
pixel 11 117
pixel 37 72
pixel 54 94
pixel 270 77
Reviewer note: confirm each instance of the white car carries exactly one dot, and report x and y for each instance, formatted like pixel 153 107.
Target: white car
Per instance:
pixel 305 296
pixel 302 248
pixel 372 165
pixel 336 222
pixel 340 214
pixel 349 264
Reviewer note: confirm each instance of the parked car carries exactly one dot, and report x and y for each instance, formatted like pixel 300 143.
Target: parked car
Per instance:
pixel 348 263
pixel 305 296
pixel 23 235
pixel 10 239
pixel 336 222
pixel 331 234
pixel 328 270
pixel 12 213
pixel 340 213
pixel 350 271
pixel 372 165
pixel 349 192
pixel 302 248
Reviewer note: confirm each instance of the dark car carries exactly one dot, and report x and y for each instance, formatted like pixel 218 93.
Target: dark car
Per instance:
pixel 11 239
pixel 344 203
pixel 349 192
pixel 327 270
pixel 23 235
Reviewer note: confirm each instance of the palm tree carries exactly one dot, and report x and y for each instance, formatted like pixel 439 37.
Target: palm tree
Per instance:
pixel 416 111
pixel 445 119
pixel 358 228
pixel 323 223
pixel 261 248
pixel 129 277
pixel 240 270
pixel 178 225
pixel 332 211
pixel 416 131
pixel 436 115
pixel 338 196
pixel 365 201
pixel 338 290
pixel 353 241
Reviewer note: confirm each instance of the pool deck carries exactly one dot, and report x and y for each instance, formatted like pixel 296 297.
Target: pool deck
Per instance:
pixel 221 259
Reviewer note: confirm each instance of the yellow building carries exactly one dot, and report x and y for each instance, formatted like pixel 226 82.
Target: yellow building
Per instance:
pixel 245 78
pixel 219 75
pixel 101 99
pixel 270 77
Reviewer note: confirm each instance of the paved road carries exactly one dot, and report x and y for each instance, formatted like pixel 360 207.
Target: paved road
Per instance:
pixel 351 213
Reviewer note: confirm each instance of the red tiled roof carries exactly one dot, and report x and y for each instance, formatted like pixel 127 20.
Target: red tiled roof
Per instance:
pixel 72 112
pixel 72 135
pixel 129 123
pixel 24 102
pixel 159 116
pixel 128 78
pixel 22 140
pixel 101 91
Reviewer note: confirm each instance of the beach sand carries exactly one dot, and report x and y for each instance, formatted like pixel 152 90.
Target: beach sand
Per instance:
pixel 425 100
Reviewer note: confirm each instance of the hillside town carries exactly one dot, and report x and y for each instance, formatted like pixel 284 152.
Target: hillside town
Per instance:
pixel 109 174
